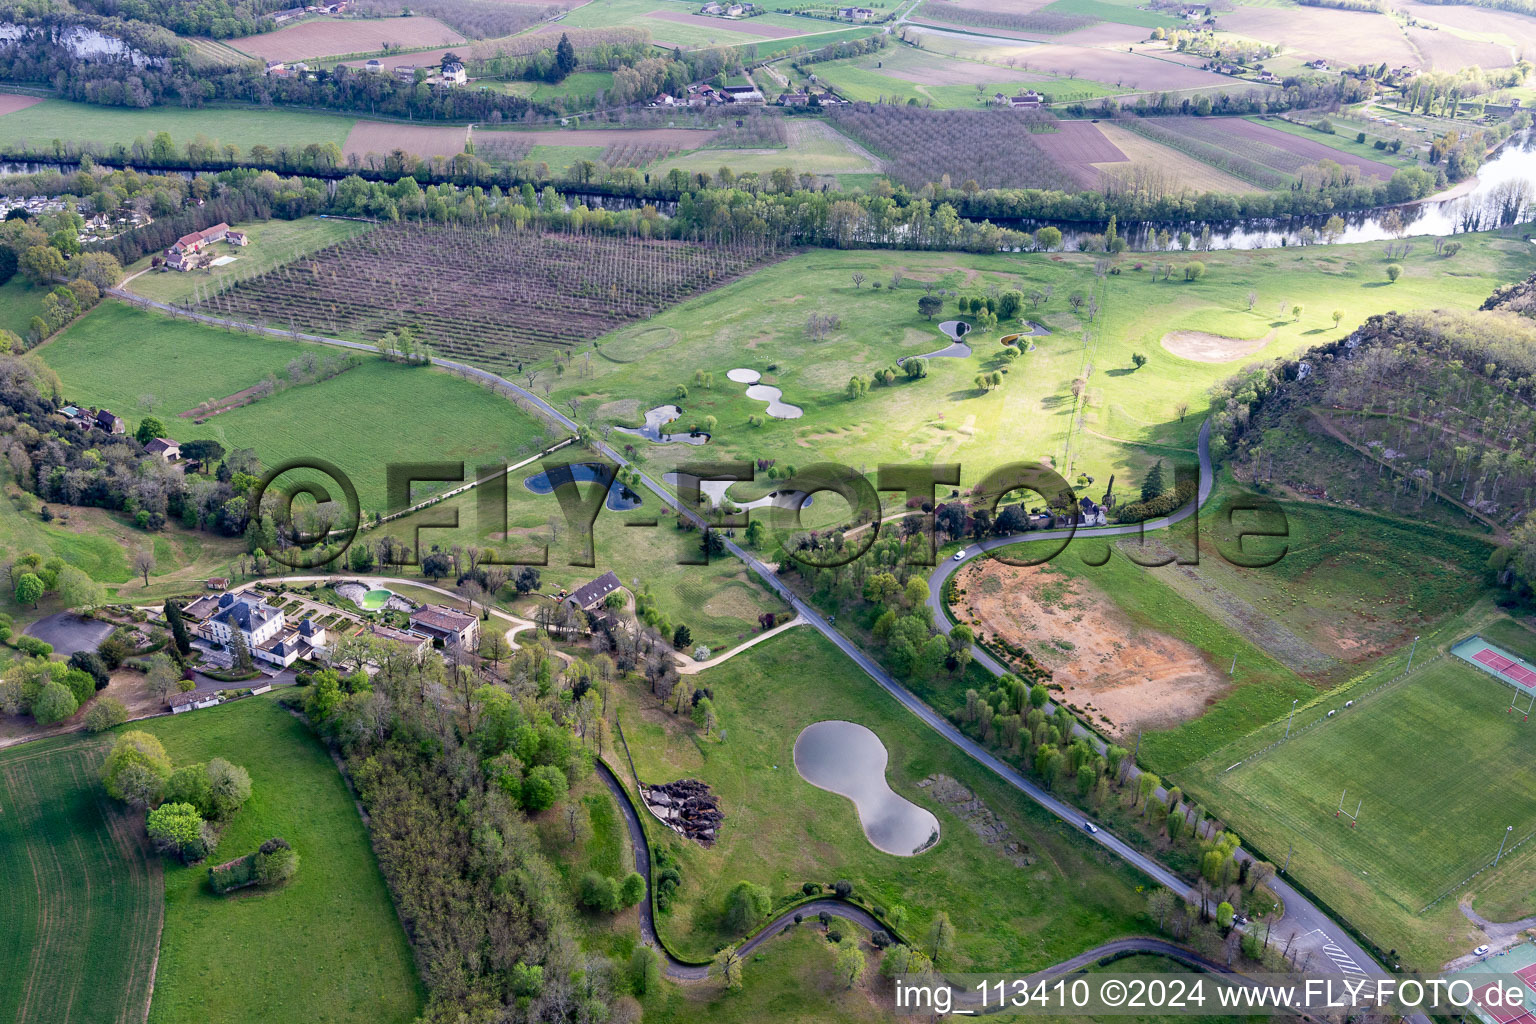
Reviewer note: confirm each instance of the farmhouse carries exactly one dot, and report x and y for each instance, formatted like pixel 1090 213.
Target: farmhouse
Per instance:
pixel 373 65
pixel 453 74
pixel 180 256
pixel 590 595
pixel 110 423
pixel 1026 100
pixel 855 13
pixel 794 99
pixel 165 447
pixel 447 626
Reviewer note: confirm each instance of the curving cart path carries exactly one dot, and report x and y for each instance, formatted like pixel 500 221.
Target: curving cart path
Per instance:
pixel 1315 933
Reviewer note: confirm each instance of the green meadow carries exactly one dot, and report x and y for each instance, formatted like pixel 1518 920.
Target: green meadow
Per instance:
pixel 328 943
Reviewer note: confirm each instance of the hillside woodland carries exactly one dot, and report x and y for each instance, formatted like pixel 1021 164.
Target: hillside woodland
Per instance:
pixel 1430 415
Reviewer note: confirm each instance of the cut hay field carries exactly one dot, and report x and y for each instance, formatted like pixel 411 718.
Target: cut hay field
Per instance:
pixel 1349 36
pixel 424 140
pixel 39 124
pixel 759 322
pixel 362 420
pixel 945 82
pixel 272 242
pixel 780 831
pixel 80 922
pixel 1264 156
pixel 814 147
pixel 1125 71
pixel 1186 170
pixel 325 37
pixel 1420 830
pixel 328 943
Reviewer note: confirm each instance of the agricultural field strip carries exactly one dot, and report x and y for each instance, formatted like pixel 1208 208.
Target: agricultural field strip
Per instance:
pixel 565 290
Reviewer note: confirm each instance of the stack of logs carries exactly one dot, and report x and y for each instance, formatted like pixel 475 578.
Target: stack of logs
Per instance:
pixel 687 808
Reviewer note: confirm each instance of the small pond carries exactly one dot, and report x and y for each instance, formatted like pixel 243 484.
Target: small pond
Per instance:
pixel 620 497
pixel 848 759
pixel 659 417
pixel 954 330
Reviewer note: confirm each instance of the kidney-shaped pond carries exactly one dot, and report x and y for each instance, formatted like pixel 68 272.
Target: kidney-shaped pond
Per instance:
pixel 850 760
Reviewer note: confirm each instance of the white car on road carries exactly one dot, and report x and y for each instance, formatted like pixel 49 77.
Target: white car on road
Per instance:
pixel 960 555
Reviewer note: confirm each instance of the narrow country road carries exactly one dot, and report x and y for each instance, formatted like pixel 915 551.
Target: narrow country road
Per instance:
pixel 1315 934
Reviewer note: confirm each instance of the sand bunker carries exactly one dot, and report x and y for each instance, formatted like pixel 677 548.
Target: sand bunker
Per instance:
pixel 1212 348
pixel 1107 666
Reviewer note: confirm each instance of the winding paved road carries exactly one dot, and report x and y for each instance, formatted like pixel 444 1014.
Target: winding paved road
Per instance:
pixel 682 971
pixel 1315 934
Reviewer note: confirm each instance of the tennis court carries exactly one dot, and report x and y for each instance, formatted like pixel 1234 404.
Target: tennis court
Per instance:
pixel 1496 661
pixel 1501 969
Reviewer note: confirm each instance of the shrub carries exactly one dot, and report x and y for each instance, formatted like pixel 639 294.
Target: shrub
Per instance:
pixel 843 888
pixel 33 646
pixel 105 713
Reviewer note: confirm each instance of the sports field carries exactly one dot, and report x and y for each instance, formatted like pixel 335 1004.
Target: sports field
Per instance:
pixel 1420 831
pixel 80 920
pixel 1503 665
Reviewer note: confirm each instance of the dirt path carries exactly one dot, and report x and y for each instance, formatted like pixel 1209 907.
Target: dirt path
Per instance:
pixel 686 666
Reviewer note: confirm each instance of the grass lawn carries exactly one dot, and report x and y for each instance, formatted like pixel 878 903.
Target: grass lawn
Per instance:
pixel 272 242
pixel 689 35
pixel 44 123
pixel 759 322
pixel 328 944
pixel 780 831
pixel 874 77
pixel 180 363
pixel 19 303
pixel 84 897
pixel 102 543
pixel 362 420
pixel 1421 830
pixel 578 90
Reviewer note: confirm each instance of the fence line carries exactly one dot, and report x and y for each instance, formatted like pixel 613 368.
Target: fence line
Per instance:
pixel 1320 720
pixel 618 725
pixel 1461 884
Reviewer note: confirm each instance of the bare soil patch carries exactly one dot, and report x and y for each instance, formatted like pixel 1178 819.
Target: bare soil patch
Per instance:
pixel 1076 146
pixel 677 138
pixel 1447 51
pixel 745 26
pixel 328 37
pixel 1106 33
pixel 1115 67
pixel 1212 348
pixel 1189 172
pixel 421 139
pixel 1519 29
pixel 1305 148
pixel 11 102
pixel 1353 37
pixel 1124 676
